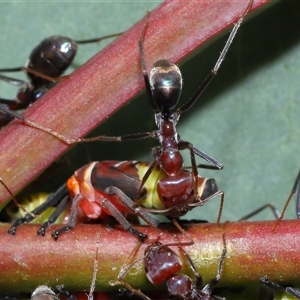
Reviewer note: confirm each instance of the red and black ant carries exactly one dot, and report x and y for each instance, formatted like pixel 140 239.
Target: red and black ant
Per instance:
pixel 46 64
pixel 162 265
pixel 278 287
pixel 179 191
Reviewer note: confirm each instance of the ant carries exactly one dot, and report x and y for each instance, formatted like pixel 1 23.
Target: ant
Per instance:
pixel 179 191
pixel 278 287
pixel 46 63
pixel 162 264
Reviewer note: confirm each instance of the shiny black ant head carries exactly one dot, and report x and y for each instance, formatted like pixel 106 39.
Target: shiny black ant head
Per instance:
pixel 52 56
pixel 166 84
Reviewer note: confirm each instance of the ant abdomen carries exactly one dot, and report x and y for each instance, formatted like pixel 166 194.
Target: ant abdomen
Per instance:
pixel 166 84
pixel 210 188
pixel 52 56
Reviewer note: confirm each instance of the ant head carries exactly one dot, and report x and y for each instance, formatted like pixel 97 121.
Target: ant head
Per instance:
pixel 166 84
pixel 52 56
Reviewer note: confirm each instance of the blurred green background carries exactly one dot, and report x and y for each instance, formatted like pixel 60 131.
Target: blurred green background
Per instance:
pixel 248 118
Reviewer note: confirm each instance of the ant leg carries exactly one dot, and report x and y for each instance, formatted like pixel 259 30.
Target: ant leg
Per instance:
pixel 201 202
pixel 15 81
pixel 293 191
pixel 214 281
pixel 218 166
pixel 298 196
pixel 199 279
pixel 51 201
pixel 279 216
pixel 182 145
pixel 255 212
pixel 214 71
pixel 144 68
pixel 178 226
pixel 43 76
pixel 97 40
pixel 149 219
pixel 139 293
pixel 129 262
pixel 136 136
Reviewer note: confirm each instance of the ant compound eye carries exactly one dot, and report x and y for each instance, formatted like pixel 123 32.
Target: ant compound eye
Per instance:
pixel 166 84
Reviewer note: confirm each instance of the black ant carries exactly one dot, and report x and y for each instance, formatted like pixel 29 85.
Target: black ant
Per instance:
pixel 180 190
pixel 162 264
pixel 46 64
pixel 278 287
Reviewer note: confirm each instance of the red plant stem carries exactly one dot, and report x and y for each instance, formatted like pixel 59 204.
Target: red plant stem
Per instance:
pixel 253 250
pixel 94 91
